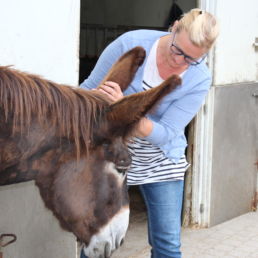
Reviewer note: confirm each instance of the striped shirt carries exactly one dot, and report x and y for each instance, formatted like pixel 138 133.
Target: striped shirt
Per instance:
pixel 149 163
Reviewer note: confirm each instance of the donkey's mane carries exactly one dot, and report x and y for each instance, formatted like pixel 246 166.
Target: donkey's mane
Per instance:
pixel 72 111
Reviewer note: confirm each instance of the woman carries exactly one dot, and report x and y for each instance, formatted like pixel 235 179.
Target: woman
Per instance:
pixel 158 152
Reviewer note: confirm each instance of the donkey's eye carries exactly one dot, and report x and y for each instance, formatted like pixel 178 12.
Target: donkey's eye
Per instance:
pixel 105 144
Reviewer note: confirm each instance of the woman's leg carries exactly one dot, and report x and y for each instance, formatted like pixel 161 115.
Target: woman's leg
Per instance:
pixel 164 205
pixel 82 254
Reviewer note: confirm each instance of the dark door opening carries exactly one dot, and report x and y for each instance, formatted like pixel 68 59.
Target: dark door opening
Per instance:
pixel 102 22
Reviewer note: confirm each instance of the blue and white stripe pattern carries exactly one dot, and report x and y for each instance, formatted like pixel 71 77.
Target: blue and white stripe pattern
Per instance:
pixel 149 163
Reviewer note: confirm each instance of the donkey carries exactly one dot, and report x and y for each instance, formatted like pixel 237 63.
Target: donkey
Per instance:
pixel 73 143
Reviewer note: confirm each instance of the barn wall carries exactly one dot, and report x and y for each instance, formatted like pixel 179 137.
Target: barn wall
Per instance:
pixel 226 147
pixel 235 151
pixel 40 37
pixel 236 55
pixel 23 213
pixel 235 148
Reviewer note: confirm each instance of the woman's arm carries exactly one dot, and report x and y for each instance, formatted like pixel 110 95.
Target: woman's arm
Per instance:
pixel 177 116
pixel 173 120
pixel 108 57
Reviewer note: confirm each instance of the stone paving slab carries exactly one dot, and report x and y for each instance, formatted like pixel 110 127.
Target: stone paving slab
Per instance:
pixel 237 238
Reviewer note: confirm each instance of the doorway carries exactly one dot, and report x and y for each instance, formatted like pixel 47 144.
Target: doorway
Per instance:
pixel 103 21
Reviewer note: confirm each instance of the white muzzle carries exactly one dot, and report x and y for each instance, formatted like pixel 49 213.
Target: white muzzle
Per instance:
pixel 110 237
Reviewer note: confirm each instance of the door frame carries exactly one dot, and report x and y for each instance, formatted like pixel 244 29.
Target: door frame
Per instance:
pixel 197 197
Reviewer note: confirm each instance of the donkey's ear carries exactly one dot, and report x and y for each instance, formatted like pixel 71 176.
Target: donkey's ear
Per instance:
pixel 123 71
pixel 124 114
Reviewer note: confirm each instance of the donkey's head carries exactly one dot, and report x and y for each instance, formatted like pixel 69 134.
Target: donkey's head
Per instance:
pixel 94 204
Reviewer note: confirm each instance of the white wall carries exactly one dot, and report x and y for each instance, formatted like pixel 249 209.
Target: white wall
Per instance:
pixel 41 37
pixel 235 55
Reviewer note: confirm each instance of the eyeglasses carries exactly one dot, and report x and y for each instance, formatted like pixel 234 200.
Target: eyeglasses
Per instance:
pixel 188 59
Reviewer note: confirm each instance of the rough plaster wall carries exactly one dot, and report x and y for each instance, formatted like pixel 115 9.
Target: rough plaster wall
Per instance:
pixel 41 37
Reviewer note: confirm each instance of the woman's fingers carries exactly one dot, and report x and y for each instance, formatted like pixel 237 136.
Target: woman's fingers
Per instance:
pixel 112 90
pixel 113 85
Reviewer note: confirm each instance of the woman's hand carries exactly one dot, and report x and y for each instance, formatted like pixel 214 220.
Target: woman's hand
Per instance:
pixel 112 90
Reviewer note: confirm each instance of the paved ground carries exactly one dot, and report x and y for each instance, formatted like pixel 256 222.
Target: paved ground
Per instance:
pixel 235 238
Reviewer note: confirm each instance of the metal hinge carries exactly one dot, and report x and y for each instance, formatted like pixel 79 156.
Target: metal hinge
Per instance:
pixel 205 109
pixel 256 42
pixel 201 208
pixel 255 94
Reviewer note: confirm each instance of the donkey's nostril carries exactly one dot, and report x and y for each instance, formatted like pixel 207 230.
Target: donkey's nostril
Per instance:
pixel 107 251
pixel 122 241
pixel 119 242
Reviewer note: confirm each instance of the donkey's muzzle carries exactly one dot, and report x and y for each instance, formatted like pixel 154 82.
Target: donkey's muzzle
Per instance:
pixel 109 237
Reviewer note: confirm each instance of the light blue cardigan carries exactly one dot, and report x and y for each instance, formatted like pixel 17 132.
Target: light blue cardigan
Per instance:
pixel 176 110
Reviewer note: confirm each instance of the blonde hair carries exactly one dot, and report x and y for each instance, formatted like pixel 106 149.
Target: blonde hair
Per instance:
pixel 201 26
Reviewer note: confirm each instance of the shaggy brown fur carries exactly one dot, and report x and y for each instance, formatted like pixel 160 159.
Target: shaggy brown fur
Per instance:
pixel 63 137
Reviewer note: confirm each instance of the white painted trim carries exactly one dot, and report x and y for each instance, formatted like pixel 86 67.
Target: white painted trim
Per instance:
pixel 202 163
pixel 202 156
